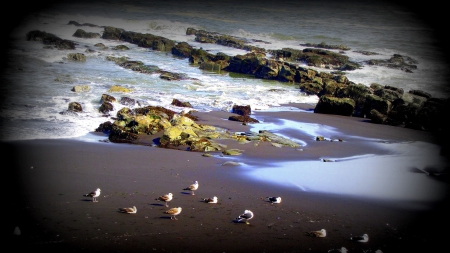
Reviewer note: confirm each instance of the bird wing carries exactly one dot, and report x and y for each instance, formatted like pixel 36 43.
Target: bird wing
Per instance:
pixel 128 209
pixel 316 233
pixel 89 194
pixel 247 215
pixel 173 210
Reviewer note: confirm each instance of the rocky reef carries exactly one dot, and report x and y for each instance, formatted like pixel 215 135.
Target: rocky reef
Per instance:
pixel 381 104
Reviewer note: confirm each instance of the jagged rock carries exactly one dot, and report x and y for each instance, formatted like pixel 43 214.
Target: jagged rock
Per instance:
pixel 170 76
pixel 75 106
pixel 104 127
pixel 81 88
pixel 326 46
pixel 80 33
pixel 119 135
pixel 244 119
pixel 106 107
pixel 121 47
pixel 50 39
pixel 268 136
pixel 75 23
pixel 244 110
pixel 128 101
pixel 334 105
pixel 76 57
pixel 375 102
pixel 182 49
pixel 118 88
pixel 232 152
pixel 107 98
pixel 397 61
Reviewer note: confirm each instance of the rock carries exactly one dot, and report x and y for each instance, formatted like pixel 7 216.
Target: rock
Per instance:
pixel 81 88
pixel 333 105
pixel 76 57
pixel 107 98
pixel 80 33
pixel 50 39
pixel 118 88
pixel 106 107
pixel 244 110
pixel 75 106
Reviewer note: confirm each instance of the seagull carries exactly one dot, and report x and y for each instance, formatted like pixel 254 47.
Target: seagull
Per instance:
pixel 318 233
pixel 166 198
pixel 246 216
pixel 173 212
pixel 212 200
pixel 360 238
pixel 192 187
pixel 128 209
pixel 274 200
pixel 341 250
pixel 93 195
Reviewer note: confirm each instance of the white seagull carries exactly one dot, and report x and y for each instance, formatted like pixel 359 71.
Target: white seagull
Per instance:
pixel 212 200
pixel 128 209
pixel 318 233
pixel 274 200
pixel 341 250
pixel 360 238
pixel 246 216
pixel 193 187
pixel 173 212
pixel 166 198
pixel 93 195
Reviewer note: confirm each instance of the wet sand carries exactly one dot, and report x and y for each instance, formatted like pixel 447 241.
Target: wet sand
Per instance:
pixel 50 177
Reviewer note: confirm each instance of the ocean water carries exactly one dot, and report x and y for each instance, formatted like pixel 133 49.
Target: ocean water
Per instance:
pixel 37 83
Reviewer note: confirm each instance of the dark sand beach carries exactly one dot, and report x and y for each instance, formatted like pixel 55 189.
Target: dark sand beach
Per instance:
pixel 49 178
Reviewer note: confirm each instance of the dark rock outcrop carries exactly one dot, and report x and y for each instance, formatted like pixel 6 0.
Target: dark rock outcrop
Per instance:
pixel 80 33
pixel 397 61
pixel 50 40
pixel 75 107
pixel 177 102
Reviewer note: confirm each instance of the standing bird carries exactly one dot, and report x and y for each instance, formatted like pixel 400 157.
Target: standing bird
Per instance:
pixel 212 200
pixel 166 198
pixel 341 250
pixel 128 209
pixel 193 187
pixel 274 200
pixel 360 238
pixel 173 212
pixel 318 233
pixel 246 216
pixel 93 195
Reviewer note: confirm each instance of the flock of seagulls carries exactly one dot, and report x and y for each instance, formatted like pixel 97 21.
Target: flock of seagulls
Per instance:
pixel 165 198
pixel 244 217
pixel 323 233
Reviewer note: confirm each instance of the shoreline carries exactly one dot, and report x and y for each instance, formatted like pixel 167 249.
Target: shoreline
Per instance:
pixel 52 214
